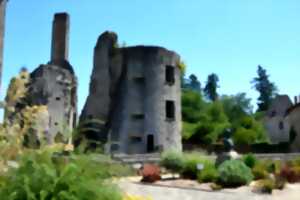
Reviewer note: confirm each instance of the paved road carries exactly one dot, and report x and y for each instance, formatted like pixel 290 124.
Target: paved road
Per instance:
pixel 292 192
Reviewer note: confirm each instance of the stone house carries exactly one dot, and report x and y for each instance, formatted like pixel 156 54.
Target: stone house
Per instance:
pixel 293 118
pixel 275 120
pixel 282 121
pixel 135 98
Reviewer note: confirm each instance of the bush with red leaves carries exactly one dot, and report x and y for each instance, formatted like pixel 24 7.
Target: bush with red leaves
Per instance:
pixel 290 173
pixel 150 173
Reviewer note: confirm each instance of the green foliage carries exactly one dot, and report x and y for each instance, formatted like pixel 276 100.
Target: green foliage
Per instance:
pixel 211 87
pixel 260 172
pixel 236 106
pixel 244 136
pixel 188 130
pixel 182 66
pixel 249 131
pixel 203 133
pixel 190 164
pixel 234 173
pixel 263 168
pixel 173 161
pixel 212 125
pixel 192 83
pixel 205 122
pixel 192 106
pixel 266 185
pixel 266 89
pixel 250 160
pixel 208 174
pixel 42 175
pixel 216 113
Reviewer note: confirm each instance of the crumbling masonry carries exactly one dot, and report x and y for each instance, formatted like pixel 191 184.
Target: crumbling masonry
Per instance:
pixel 135 98
pixel 54 85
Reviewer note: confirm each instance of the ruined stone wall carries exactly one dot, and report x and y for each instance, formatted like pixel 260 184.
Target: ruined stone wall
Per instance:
pixel 52 86
pixel 145 92
pixel 55 85
pixel 129 94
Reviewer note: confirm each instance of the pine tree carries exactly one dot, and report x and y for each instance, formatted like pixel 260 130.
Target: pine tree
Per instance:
pixel 195 83
pixel 211 87
pixel 266 89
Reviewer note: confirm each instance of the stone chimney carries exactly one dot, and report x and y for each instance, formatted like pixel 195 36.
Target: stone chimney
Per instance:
pixel 60 38
pixel 2 28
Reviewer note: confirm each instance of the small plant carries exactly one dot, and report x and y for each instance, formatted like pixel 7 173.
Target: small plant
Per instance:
pixel 290 174
pixel 250 160
pixel 266 186
pixel 234 173
pixel 208 174
pixel 43 175
pixel 173 161
pixel 216 187
pixel 191 160
pixel 260 172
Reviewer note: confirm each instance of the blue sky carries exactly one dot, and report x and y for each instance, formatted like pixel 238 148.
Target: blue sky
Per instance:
pixel 227 37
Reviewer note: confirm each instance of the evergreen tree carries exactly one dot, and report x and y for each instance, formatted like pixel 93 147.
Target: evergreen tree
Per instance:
pixel 266 89
pixel 195 83
pixel 211 87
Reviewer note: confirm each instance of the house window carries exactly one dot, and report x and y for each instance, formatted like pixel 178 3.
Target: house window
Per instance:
pixel 140 80
pixel 57 98
pixel 138 116
pixel 170 74
pixel 170 110
pixel 281 126
pixel 114 148
pixel 135 139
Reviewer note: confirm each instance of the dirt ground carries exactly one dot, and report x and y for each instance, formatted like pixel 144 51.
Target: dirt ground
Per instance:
pixel 190 190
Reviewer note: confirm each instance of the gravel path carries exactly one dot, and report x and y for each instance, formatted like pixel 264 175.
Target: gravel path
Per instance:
pixel 292 192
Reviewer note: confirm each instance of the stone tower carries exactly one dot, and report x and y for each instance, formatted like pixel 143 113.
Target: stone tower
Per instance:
pixel 2 29
pixel 55 84
pixel 135 97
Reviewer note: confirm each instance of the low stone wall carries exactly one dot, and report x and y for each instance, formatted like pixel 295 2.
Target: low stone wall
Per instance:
pixel 155 158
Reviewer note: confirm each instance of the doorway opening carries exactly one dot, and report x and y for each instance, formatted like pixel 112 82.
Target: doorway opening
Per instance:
pixel 150 143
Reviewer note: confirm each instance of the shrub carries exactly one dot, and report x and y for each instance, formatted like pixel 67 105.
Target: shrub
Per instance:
pixel 173 161
pixel 191 160
pixel 208 174
pixel 294 162
pixel 234 173
pixel 260 172
pixel 42 176
pixel 266 186
pixel 290 174
pixel 249 160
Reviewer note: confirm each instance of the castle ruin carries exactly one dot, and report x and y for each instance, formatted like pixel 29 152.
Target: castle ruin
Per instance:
pixel 134 103
pixel 54 85
pixel 135 98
